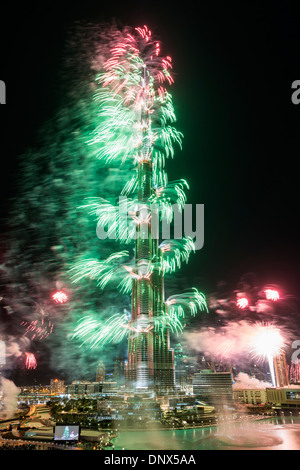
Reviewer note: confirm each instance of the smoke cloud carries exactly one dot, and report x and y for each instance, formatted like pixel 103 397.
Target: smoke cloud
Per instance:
pixel 9 392
pixel 244 380
pixel 232 341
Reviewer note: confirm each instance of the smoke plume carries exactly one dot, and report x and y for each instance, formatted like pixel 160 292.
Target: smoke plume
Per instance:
pixel 9 392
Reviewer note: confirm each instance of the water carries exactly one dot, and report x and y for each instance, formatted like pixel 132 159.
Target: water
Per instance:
pixel 268 434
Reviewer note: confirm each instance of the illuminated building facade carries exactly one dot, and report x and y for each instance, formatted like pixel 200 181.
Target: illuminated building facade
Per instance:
pixel 250 396
pixel 281 370
pixel 150 358
pixel 100 372
pixel 214 388
pixel 287 398
pixel 294 373
pixel 57 386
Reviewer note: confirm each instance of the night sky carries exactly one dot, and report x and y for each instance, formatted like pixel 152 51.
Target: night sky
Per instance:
pixel 234 65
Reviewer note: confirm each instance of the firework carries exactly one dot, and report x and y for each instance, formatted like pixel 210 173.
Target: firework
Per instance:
pixel 272 294
pixel 267 342
pixel 226 348
pixel 30 361
pixel 176 251
pixel 242 302
pixel 96 333
pixel 60 297
pixel 132 82
pixel 190 302
pixel 101 271
pixel 38 329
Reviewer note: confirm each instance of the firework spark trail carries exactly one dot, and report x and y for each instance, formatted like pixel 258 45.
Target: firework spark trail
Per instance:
pixel 188 301
pixel 176 251
pixel 272 294
pixel 30 361
pixel 242 302
pixel 96 333
pixel 226 348
pixel 56 177
pixel 37 329
pixel 60 297
pixel 121 98
pixel 101 271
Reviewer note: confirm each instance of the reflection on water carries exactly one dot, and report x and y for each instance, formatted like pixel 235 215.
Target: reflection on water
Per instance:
pixel 268 434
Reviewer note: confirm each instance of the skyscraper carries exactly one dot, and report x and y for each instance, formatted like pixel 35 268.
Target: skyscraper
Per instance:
pixel 100 372
pixel 119 370
pixel 150 359
pixel 135 131
pixel 214 388
pixel 281 370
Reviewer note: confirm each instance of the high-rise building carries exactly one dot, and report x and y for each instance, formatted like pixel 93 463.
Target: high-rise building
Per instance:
pixel 281 370
pixel 136 131
pixel 214 388
pixel 150 358
pixel 119 370
pixel 294 373
pixel 57 386
pixel 100 372
pixel 180 366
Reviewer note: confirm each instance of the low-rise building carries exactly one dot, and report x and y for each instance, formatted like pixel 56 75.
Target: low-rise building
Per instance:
pixel 214 388
pixel 250 396
pixel 285 398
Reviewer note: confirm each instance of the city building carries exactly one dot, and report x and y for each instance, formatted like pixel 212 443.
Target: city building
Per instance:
pixel 57 386
pixel 100 372
pixel 185 367
pixel 82 388
pixel 281 370
pixel 250 396
pixel 150 358
pixel 94 388
pixel 78 387
pixel 294 373
pixel 119 370
pixel 109 388
pixel 214 388
pixel 284 398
